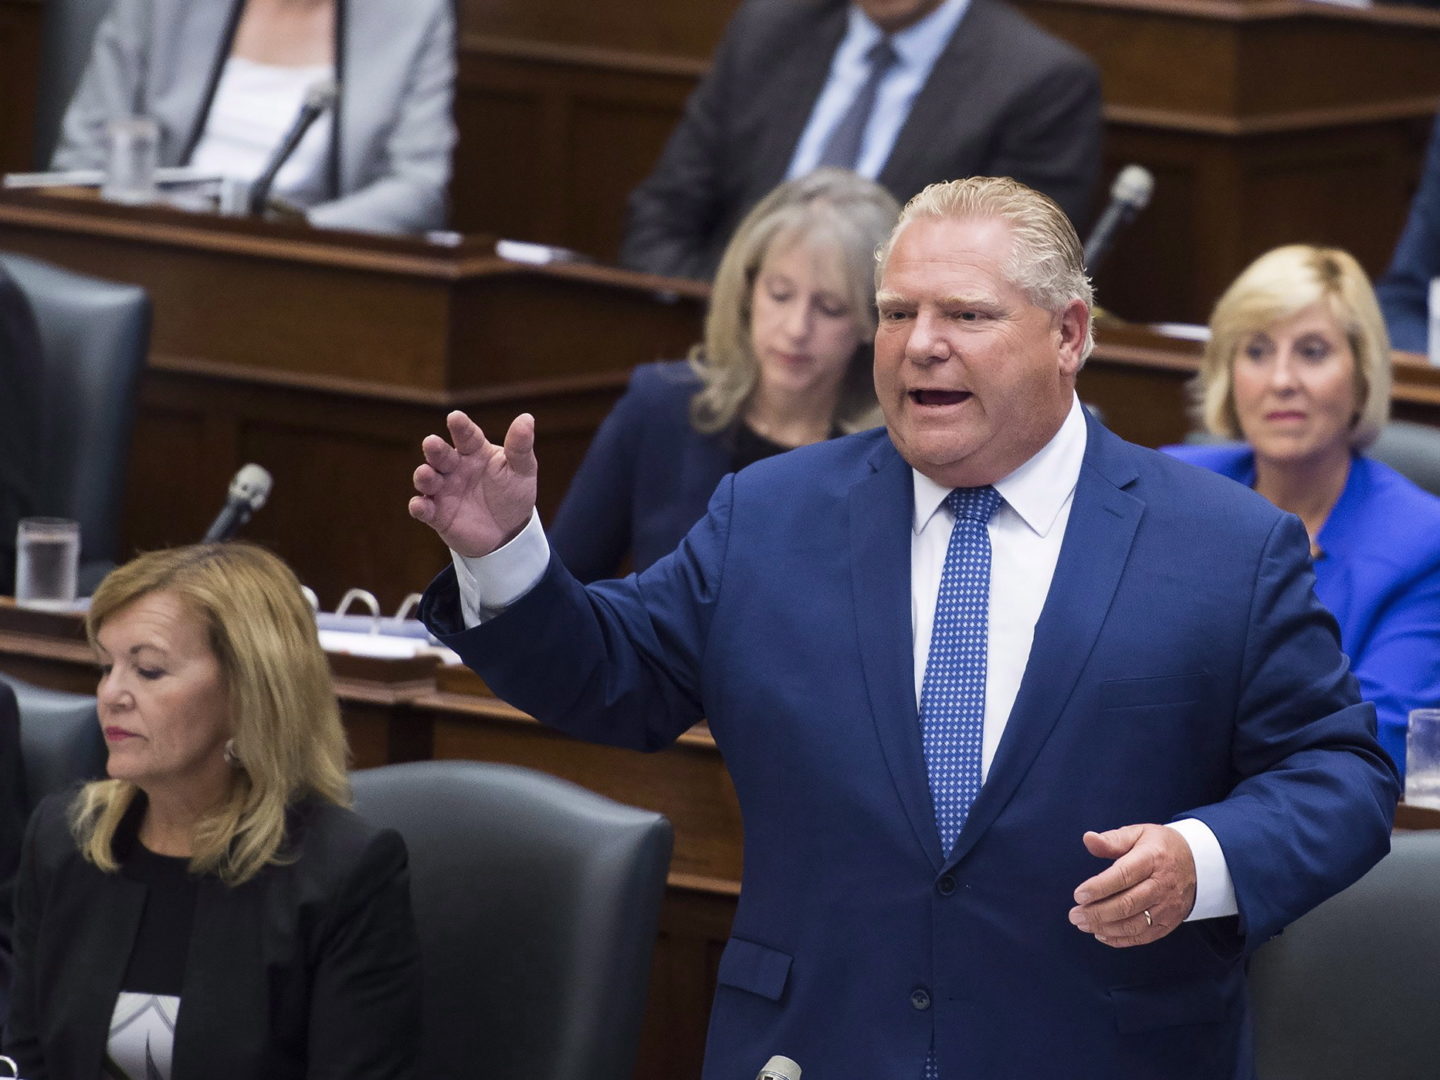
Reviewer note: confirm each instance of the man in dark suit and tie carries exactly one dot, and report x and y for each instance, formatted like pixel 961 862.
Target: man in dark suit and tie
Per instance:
pixel 906 92
pixel 1037 734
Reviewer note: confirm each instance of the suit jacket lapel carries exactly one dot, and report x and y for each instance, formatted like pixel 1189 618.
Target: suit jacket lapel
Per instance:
pixel 801 71
pixel 956 76
pixel 880 519
pixel 1098 537
pixel 105 939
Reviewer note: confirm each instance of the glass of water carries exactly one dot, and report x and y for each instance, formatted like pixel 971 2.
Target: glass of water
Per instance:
pixel 134 143
pixel 47 557
pixel 1422 758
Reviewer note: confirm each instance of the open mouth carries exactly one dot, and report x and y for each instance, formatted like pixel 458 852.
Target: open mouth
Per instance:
pixel 939 397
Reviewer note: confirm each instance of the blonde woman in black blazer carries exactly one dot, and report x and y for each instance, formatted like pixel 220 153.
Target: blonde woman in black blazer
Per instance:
pixel 212 910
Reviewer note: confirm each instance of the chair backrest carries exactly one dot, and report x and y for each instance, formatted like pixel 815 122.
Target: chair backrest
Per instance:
pixel 66 36
pixel 60 740
pixel 537 904
pixel 1353 988
pixel 1411 449
pixel 94 335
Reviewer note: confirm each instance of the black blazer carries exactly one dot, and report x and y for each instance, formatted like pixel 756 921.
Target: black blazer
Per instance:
pixel 308 970
pixel 12 825
pixel 1004 98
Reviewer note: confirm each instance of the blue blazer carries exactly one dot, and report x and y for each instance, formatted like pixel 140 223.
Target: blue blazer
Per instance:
pixel 1160 686
pixel 1404 291
pixel 645 480
pixel 1380 576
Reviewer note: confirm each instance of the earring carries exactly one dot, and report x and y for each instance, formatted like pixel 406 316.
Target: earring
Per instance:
pixel 232 757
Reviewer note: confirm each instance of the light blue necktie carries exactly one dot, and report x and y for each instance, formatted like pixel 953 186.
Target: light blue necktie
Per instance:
pixel 952 695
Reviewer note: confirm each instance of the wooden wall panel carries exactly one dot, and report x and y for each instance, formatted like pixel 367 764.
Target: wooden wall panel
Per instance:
pixel 342 466
pixel 573 131
pixel 672 28
pixel 19 75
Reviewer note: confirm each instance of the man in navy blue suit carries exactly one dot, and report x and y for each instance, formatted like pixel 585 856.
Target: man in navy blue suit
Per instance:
pixel 1022 785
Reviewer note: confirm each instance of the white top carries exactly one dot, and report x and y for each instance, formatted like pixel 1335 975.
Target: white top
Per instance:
pixel 254 106
pixel 1025 538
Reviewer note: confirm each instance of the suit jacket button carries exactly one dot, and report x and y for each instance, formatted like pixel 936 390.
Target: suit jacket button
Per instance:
pixel 946 885
pixel 920 998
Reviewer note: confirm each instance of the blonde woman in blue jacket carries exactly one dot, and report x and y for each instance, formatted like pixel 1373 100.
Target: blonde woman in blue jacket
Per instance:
pixel 1298 366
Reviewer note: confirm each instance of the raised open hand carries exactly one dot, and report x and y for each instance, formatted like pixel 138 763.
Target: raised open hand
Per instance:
pixel 475 494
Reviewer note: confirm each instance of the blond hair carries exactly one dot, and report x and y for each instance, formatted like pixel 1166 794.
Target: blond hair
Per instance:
pixel 1046 260
pixel 831 208
pixel 286 724
pixel 1275 287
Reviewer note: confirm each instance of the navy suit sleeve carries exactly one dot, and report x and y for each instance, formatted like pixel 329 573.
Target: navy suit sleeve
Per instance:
pixel 1404 290
pixel 365 998
pixel 618 662
pixel 1314 800
pixel 591 532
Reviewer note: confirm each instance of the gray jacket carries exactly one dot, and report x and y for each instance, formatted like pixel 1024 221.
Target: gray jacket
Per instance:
pixel 391 143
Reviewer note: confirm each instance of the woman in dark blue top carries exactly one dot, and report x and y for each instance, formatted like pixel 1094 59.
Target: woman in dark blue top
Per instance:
pixel 785 362
pixel 1298 366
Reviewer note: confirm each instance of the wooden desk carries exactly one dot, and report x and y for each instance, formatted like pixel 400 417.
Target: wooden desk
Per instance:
pixel 1264 121
pixel 327 357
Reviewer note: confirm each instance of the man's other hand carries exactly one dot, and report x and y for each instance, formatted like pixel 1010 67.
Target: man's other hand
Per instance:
pixel 1147 891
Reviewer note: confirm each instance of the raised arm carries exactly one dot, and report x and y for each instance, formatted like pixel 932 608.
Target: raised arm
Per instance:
pixel 475 494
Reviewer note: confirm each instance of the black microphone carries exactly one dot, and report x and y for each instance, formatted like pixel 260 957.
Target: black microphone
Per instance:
pixel 1128 196
pixel 318 98
pixel 779 1067
pixel 248 491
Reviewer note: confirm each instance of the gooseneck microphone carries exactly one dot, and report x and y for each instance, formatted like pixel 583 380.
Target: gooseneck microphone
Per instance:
pixel 318 98
pixel 779 1067
pixel 1129 194
pixel 248 491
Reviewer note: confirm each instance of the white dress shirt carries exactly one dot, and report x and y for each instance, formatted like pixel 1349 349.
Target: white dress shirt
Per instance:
pixel 1026 533
pixel 916 47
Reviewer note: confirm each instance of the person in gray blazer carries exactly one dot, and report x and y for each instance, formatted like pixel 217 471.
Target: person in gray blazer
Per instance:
pixel 225 79
pixel 972 88
pixel 212 909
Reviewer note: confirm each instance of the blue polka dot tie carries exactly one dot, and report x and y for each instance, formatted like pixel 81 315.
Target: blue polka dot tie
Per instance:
pixel 952 695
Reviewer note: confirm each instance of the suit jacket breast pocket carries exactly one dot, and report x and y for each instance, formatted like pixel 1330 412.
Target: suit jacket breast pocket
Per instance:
pixel 1160 695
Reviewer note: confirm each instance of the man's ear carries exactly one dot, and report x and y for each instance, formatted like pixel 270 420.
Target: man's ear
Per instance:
pixel 1072 330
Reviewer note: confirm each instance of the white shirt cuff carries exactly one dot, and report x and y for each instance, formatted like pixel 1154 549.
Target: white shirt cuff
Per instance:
pixel 1214 889
pixel 491 583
